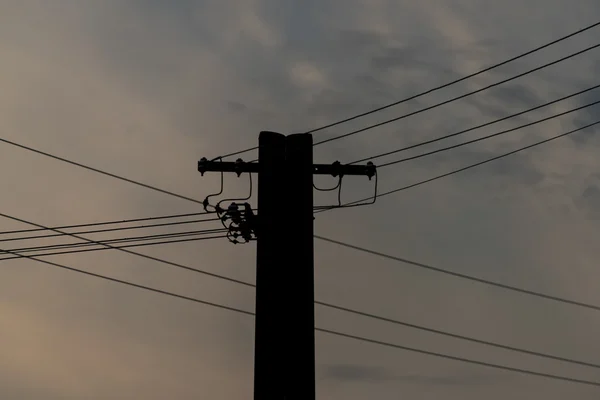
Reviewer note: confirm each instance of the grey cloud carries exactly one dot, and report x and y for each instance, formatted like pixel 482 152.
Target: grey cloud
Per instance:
pixel 592 193
pixel 502 101
pixel 590 200
pixel 518 168
pixel 409 57
pixel 516 96
pixel 361 40
pixel 466 380
pixel 357 373
pixel 588 137
pixel 236 106
pixel 145 88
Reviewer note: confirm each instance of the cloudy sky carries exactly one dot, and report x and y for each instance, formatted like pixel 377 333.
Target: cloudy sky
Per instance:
pixel 146 88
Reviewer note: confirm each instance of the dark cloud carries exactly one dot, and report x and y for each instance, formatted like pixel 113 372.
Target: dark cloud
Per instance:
pixel 515 96
pixel 466 380
pixel 236 106
pixel 145 88
pixel 362 40
pixel 357 373
pixel 354 373
pixel 591 199
pixel 517 167
pixel 592 193
pixel 587 116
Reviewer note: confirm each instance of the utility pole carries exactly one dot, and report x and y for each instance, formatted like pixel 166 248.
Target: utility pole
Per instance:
pixel 284 360
pixel 269 336
pixel 299 269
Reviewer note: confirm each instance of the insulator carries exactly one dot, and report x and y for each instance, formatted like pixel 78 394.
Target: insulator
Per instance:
pixel 234 213
pixel 371 170
pixel 238 166
pixel 202 165
pixel 336 169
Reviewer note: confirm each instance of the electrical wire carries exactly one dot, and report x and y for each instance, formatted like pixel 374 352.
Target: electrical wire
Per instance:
pixel 460 337
pixel 329 189
pixel 322 330
pixel 475 127
pixel 488 136
pixel 461 359
pixel 349 310
pixel 122 221
pixel 460 275
pixel 160 260
pixel 198 201
pixel 384 255
pixel 243 311
pixel 453 99
pixel 434 89
pixel 56 253
pixel 131 284
pixel 99 171
pixel 118 240
pixel 240 152
pixel 110 229
pixel 456 171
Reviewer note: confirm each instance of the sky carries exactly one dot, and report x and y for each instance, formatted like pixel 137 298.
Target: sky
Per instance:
pixel 146 88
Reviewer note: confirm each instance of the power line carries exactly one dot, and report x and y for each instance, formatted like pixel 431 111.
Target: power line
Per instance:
pixel 456 80
pixel 119 240
pixel 457 97
pixel 235 153
pixel 110 229
pixel 462 276
pixel 324 304
pixel 489 136
pixel 77 164
pixel 331 332
pixel 461 337
pixel 456 171
pixel 384 194
pixel 476 127
pixel 56 253
pixel 160 260
pixel 122 221
pixel 131 284
pixel 461 359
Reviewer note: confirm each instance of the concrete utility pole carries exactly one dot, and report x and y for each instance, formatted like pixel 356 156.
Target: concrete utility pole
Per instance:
pixel 284 360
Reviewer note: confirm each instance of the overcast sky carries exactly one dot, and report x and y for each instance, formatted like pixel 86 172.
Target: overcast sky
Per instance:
pixel 146 88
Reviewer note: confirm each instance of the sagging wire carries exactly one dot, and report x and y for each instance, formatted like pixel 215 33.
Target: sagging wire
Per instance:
pixel 241 225
pixel 206 201
pixel 318 209
pixel 338 186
